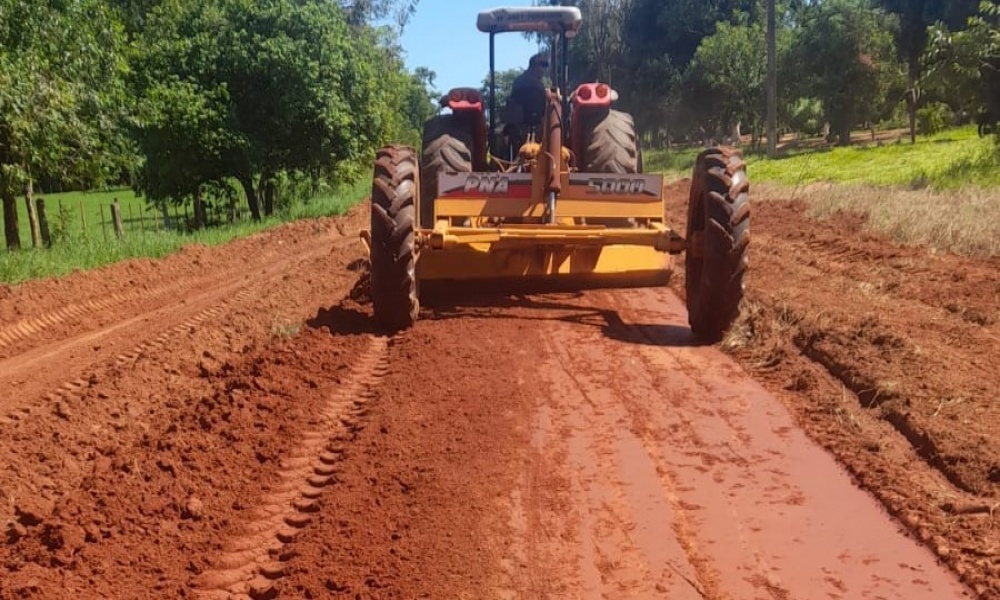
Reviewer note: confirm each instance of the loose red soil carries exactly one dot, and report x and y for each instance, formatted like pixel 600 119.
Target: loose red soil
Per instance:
pixel 227 423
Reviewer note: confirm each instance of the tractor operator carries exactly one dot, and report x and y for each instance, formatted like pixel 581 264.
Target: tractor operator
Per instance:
pixel 528 90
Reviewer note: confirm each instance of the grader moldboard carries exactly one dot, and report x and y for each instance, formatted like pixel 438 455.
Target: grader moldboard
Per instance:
pixel 558 199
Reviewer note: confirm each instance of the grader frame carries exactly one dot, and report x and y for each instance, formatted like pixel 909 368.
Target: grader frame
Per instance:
pixel 572 208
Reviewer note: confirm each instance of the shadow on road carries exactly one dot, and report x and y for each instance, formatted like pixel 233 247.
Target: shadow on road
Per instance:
pixel 345 320
pixel 522 307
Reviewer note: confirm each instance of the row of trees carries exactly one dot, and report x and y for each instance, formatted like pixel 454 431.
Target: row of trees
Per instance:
pixel 181 98
pixel 697 68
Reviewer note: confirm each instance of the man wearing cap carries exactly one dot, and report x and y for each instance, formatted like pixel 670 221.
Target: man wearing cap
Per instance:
pixel 528 90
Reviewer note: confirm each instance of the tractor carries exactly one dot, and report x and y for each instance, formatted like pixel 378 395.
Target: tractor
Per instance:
pixel 553 197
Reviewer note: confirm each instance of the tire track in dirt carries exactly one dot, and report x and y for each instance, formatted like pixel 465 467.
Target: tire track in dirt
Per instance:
pixel 29 327
pixel 253 561
pixel 913 329
pixel 752 508
pixel 78 387
pixel 221 297
pixel 759 459
pixel 625 540
pixel 876 338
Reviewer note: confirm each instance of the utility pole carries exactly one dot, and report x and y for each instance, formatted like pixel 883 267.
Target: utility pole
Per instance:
pixel 772 84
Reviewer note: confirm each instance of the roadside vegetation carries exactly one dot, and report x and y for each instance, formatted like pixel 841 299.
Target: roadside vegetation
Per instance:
pixel 94 247
pixel 205 119
pixel 937 192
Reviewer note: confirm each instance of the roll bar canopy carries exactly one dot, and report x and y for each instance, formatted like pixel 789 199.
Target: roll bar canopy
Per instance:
pixel 553 19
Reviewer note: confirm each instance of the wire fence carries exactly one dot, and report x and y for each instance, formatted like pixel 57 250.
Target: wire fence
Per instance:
pixel 52 221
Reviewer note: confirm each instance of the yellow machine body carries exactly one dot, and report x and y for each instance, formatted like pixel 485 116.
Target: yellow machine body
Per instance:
pixel 605 229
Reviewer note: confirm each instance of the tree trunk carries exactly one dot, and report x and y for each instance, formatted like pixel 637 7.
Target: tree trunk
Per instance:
pixel 43 223
pixel 844 134
pixel 247 182
pixel 911 98
pixel 266 189
pixel 10 231
pixel 199 209
pixel 29 201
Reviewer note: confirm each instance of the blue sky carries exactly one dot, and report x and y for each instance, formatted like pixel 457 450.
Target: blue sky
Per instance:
pixel 442 36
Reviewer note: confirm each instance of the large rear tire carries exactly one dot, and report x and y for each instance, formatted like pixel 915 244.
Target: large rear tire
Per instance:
pixel 610 144
pixel 447 148
pixel 718 234
pixel 393 251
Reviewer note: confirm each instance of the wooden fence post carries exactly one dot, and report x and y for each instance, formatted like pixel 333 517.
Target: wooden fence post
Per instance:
pixel 116 218
pixel 29 203
pixel 43 223
pixel 83 220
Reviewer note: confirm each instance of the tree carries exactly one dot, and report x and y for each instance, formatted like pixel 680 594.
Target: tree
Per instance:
pixel 419 104
pixel 62 97
pixel 969 61
pixel 280 85
pixel 359 12
pixel 915 17
pixel 843 54
pixel 726 78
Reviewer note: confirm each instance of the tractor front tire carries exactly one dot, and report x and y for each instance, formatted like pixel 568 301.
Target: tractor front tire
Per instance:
pixel 610 144
pixel 393 251
pixel 718 236
pixel 447 148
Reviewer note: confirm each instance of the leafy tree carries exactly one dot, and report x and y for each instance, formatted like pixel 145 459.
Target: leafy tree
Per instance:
pixel 915 17
pixel 727 77
pixel 62 97
pixel 281 85
pixel 419 104
pixel 969 61
pixel 133 13
pixel 676 28
pixel 843 54
pixel 359 12
pixel 661 38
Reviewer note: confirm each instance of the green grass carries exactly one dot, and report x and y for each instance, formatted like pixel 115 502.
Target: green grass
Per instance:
pixel 78 252
pixel 674 163
pixel 79 208
pixel 941 193
pixel 949 160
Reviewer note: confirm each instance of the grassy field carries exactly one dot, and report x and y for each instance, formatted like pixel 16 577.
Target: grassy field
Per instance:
pixel 950 160
pixel 78 251
pixel 942 192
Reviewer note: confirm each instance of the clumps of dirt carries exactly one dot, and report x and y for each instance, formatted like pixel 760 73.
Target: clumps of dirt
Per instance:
pixel 361 292
pixel 137 503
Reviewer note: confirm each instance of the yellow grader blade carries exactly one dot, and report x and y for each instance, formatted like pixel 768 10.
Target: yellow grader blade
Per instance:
pixel 608 231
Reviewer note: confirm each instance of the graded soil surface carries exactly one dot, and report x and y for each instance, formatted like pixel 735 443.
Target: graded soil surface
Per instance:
pixel 227 423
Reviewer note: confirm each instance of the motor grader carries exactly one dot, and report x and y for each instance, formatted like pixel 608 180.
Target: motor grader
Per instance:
pixel 558 199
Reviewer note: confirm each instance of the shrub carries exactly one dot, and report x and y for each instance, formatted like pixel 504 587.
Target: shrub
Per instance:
pixel 933 118
pixel 805 115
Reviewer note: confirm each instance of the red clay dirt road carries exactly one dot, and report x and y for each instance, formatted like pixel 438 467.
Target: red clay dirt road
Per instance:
pixel 225 423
